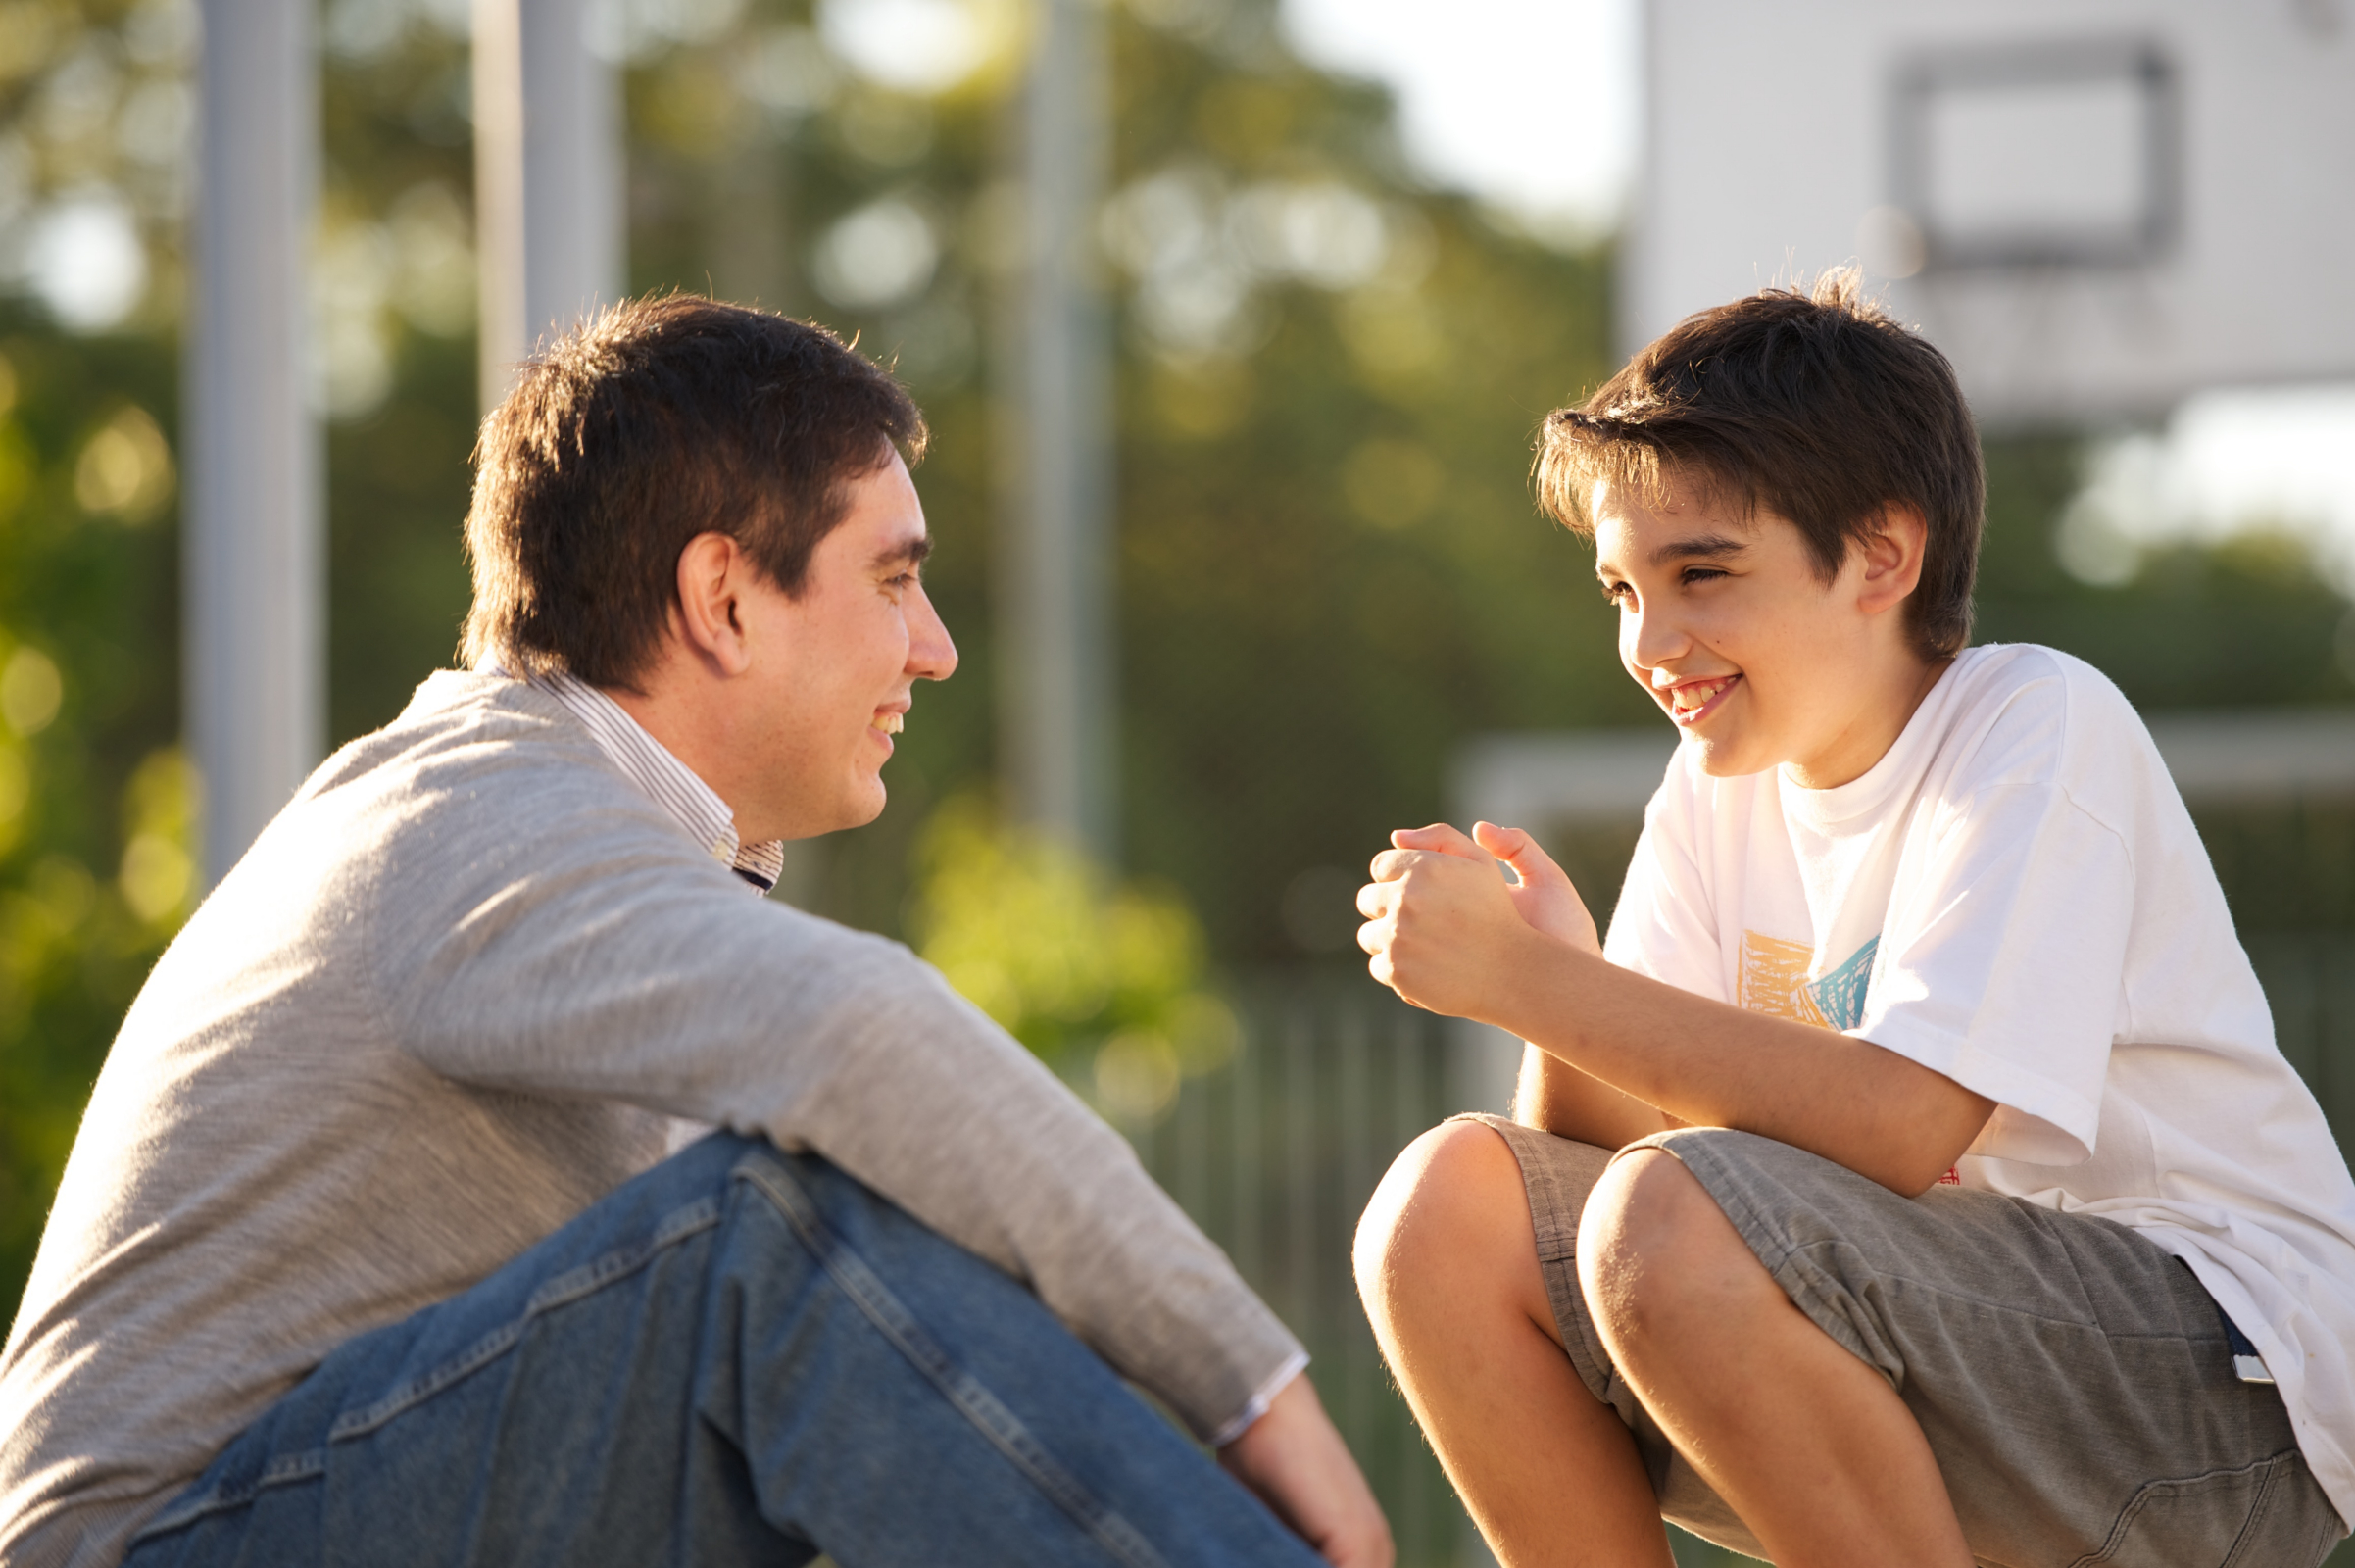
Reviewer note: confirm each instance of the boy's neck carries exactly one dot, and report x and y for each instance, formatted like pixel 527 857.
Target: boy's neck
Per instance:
pixel 1880 718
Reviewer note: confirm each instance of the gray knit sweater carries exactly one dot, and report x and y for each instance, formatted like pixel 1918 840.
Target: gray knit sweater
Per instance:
pixel 452 995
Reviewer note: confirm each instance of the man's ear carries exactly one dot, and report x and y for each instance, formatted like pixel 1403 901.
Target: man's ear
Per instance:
pixel 1891 553
pixel 712 572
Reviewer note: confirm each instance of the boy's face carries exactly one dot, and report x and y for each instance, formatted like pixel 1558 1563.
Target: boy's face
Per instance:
pixel 1756 658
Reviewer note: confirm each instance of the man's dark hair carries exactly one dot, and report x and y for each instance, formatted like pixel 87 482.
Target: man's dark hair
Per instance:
pixel 1813 404
pixel 661 419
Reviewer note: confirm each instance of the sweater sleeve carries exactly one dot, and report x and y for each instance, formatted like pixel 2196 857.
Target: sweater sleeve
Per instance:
pixel 599 954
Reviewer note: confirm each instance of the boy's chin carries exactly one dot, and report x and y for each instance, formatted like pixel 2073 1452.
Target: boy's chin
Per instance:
pixel 1722 757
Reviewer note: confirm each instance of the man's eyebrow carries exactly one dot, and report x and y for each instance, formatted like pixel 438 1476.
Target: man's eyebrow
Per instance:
pixel 906 553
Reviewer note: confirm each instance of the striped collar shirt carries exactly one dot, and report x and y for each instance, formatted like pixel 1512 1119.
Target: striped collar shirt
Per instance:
pixel 669 782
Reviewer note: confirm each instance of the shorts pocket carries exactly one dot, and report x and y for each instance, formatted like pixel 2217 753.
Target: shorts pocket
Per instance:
pixel 2257 1516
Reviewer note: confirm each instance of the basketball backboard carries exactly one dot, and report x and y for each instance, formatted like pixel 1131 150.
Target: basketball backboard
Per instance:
pixel 2096 207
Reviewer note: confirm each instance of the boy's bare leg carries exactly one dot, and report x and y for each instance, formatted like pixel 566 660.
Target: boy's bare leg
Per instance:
pixel 1447 1264
pixel 1805 1441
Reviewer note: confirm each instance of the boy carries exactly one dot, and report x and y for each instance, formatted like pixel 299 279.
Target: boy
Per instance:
pixel 1913 1179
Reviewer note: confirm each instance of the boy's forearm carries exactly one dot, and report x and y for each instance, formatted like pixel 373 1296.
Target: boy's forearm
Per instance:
pixel 1705 1062
pixel 1557 1098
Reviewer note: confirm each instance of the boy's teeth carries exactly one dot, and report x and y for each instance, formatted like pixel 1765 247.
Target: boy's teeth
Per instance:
pixel 1689 698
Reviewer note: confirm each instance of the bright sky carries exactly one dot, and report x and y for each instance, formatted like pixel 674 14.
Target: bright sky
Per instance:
pixel 1536 105
pixel 1531 102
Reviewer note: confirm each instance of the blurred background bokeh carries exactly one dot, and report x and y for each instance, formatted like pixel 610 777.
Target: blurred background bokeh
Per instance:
pixel 1330 335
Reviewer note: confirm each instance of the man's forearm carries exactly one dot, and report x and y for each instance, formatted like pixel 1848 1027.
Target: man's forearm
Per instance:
pixel 1705 1062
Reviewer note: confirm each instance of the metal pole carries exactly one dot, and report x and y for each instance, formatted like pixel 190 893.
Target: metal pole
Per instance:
pixel 548 177
pixel 255 583
pixel 1057 575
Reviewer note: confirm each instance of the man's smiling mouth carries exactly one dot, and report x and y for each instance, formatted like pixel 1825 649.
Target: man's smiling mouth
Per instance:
pixel 891 723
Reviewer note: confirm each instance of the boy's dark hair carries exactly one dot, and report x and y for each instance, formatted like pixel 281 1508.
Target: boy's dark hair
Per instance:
pixel 1813 404
pixel 661 419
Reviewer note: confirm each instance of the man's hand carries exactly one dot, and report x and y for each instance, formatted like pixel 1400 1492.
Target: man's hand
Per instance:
pixel 1442 928
pixel 1297 1464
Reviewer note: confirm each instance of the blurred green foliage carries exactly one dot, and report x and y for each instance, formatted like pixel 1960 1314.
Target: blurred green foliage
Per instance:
pixel 1104 979
pixel 1329 567
pixel 2249 622
pixel 94 870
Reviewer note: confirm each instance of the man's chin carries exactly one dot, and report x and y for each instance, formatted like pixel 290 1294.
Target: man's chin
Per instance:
pixel 857 809
pixel 863 805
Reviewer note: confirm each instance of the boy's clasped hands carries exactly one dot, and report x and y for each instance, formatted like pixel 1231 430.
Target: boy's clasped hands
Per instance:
pixel 1449 934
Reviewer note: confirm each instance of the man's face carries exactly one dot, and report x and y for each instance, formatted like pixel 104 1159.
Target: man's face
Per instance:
pixel 833 670
pixel 1758 661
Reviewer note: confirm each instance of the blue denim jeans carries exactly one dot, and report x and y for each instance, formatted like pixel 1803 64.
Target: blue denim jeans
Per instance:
pixel 739 1358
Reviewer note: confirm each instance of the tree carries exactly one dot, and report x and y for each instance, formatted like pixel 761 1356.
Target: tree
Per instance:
pixel 1328 376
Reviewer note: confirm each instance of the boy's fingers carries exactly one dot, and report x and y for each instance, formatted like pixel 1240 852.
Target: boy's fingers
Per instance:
pixel 1516 849
pixel 1442 837
pixel 1500 842
pixel 1374 899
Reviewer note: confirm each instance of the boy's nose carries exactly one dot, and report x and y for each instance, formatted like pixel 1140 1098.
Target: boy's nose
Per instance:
pixel 1649 640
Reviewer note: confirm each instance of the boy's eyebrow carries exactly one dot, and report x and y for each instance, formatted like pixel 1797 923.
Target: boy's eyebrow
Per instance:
pixel 1696 547
pixel 1705 545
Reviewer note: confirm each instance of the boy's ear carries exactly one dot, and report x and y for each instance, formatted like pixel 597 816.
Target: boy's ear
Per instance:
pixel 1891 552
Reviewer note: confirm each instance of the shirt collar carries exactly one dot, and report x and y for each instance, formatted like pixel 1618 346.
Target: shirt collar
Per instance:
pixel 669 782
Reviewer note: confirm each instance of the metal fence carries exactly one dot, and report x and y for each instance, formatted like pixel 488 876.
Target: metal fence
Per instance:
pixel 2309 979
pixel 1276 1153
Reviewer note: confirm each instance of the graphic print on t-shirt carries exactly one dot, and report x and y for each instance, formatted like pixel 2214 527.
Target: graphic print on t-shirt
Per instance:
pixel 1774 980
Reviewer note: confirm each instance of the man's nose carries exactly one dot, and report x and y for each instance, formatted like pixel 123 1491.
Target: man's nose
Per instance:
pixel 931 652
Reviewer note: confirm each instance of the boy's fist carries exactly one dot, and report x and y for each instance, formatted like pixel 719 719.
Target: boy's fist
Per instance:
pixel 1543 895
pixel 1442 928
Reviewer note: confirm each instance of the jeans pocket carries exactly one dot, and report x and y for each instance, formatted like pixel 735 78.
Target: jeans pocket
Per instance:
pixel 2260 1515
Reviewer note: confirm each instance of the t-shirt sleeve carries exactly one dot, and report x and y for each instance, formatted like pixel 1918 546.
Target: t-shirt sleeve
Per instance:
pixel 2002 964
pixel 1661 925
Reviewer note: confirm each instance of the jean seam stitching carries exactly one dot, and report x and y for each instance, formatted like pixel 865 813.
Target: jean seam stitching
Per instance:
pixel 285 1470
pixel 2270 1498
pixel 966 1393
pixel 572 1286
pixel 2265 1472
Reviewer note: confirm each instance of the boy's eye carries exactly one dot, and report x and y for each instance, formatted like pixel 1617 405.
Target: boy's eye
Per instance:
pixel 1693 574
pixel 1613 592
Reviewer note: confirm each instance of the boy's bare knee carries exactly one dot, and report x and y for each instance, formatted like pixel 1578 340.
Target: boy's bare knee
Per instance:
pixel 1656 1253
pixel 1451 1203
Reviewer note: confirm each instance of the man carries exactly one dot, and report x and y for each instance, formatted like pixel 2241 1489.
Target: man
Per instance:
pixel 366 1250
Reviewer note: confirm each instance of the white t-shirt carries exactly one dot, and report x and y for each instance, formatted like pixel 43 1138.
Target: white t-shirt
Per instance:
pixel 2015 896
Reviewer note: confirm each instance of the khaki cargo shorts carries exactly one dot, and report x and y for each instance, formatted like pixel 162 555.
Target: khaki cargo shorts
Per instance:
pixel 2074 1380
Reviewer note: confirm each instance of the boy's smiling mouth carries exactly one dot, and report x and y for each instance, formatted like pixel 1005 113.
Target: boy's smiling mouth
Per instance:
pixel 1688 701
